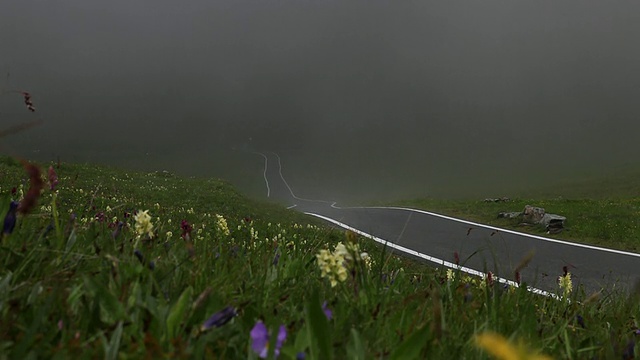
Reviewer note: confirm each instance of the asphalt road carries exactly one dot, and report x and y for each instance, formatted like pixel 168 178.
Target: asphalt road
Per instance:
pixel 435 238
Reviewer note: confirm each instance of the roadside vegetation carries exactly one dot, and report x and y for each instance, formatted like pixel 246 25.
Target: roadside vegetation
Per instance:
pixel 105 263
pixel 602 211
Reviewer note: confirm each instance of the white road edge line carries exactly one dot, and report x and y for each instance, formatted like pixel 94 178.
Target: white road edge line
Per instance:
pixel 433 259
pixel 592 247
pixel 289 187
pixel 292 206
pixel 264 174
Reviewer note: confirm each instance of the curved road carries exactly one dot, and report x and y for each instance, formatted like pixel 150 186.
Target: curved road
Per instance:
pixel 435 238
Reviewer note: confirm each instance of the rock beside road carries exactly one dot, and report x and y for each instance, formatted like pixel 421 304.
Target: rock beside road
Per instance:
pixel 537 216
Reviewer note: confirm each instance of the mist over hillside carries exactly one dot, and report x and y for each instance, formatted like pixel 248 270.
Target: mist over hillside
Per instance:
pixel 362 99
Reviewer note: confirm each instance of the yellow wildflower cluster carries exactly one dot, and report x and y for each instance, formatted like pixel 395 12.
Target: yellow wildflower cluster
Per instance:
pixel 222 225
pixel 565 283
pixel 335 265
pixel 332 265
pixel 368 261
pixel 501 348
pixel 451 275
pixel 143 223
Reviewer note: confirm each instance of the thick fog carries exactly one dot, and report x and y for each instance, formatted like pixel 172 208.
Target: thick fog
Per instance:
pixel 363 100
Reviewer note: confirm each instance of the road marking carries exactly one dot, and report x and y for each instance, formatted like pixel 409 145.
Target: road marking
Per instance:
pixel 434 259
pixel 431 258
pixel 264 174
pixel 292 206
pixel 289 187
pixel 592 247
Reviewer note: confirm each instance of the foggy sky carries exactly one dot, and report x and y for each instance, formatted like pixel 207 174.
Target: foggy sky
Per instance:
pixel 362 99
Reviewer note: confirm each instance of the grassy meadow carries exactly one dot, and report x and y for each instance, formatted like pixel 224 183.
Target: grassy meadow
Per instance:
pixel 107 263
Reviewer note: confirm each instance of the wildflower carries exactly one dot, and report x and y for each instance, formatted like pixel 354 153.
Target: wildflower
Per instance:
pixel 489 279
pixel 143 223
pixel 565 283
pixel 35 186
pixel 344 251
pixel 332 266
pixel 580 320
pixel 53 178
pixel 10 218
pixel 220 318
pixel 118 229
pixel 629 350
pixel 451 276
pixel 222 225
pixel 260 339
pixel 327 312
pixel 500 348
pixel 139 255
pixel 186 230
pixel 276 259
pixel 169 235
pixel 301 356
pixel 100 217
pixel 367 260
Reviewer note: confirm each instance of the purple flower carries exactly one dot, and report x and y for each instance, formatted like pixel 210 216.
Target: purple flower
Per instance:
pixel 580 320
pixel 186 229
pixel 629 350
pixel 276 259
pixel 100 217
pixel 260 339
pixel 139 255
pixel 10 218
pixel 301 356
pixel 220 318
pixel 53 178
pixel 118 229
pixel 327 312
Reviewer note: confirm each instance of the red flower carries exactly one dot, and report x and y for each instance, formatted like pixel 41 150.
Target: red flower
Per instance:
pixel 186 229
pixel 53 178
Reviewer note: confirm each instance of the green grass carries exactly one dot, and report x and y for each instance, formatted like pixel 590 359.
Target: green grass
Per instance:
pixel 69 288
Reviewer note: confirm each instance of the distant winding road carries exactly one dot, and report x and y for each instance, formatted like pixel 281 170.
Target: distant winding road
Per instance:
pixel 435 238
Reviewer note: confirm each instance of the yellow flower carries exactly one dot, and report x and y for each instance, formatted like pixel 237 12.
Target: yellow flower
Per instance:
pixel 565 284
pixel 451 275
pixel 502 349
pixel 332 266
pixel 143 223
pixel 222 225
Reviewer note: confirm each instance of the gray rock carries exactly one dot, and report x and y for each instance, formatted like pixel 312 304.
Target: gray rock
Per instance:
pixel 510 215
pixel 532 215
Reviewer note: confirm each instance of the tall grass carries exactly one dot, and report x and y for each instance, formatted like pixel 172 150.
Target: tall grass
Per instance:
pixel 79 279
